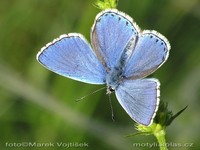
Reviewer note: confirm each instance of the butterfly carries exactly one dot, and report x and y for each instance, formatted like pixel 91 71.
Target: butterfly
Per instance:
pixel 121 55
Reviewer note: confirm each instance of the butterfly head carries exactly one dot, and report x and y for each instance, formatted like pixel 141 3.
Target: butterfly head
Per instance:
pixel 109 90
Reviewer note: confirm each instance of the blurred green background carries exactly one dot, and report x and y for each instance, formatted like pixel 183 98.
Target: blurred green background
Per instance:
pixel 37 105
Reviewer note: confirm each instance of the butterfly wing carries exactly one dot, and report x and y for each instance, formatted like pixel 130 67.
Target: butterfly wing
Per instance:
pixel 110 34
pixel 72 57
pixel 140 99
pixel 151 51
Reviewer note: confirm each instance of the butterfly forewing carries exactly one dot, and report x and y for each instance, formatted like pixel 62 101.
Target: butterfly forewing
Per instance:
pixel 72 57
pixel 140 99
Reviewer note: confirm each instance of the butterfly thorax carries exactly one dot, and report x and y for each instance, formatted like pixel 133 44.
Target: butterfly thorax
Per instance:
pixel 113 79
pixel 115 76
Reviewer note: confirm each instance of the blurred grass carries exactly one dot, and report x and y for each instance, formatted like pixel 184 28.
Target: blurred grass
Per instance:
pixel 38 105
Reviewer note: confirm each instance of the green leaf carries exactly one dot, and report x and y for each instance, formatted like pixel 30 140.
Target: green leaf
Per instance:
pixel 175 116
pixel 106 4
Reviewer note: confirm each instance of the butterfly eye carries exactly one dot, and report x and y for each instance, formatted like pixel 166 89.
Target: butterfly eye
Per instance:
pixel 110 89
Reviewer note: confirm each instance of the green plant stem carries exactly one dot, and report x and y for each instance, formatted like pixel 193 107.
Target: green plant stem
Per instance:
pixel 160 136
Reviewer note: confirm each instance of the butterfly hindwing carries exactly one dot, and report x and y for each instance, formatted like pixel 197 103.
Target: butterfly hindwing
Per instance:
pixel 110 35
pixel 150 52
pixel 72 57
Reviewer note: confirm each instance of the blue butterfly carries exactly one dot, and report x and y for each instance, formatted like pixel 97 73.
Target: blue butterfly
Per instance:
pixel 121 56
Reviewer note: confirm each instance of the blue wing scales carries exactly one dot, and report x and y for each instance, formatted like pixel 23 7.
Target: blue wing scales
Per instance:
pixel 71 56
pixel 140 99
pixel 110 35
pixel 150 52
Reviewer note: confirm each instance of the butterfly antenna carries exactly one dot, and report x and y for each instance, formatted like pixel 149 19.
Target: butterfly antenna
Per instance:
pixel 111 107
pixel 79 99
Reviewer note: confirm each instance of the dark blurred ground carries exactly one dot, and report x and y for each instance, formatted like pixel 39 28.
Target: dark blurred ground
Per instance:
pixel 39 106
